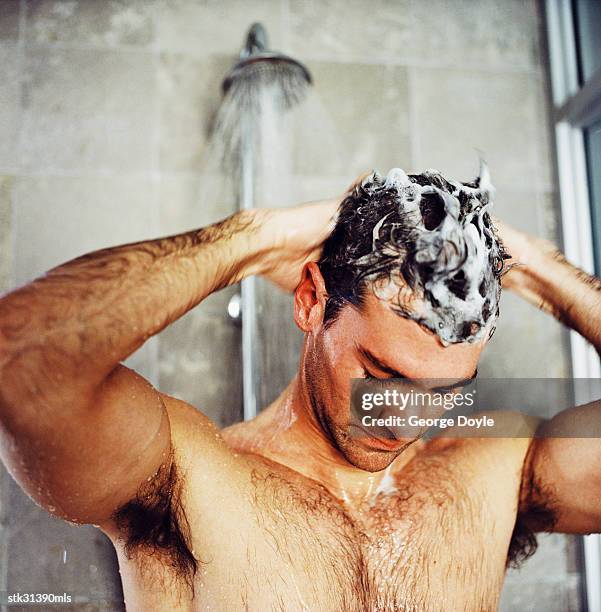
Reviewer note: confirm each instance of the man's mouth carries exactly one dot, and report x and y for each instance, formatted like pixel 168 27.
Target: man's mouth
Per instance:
pixel 367 439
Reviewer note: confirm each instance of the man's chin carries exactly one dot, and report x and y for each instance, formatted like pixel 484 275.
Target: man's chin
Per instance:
pixel 373 454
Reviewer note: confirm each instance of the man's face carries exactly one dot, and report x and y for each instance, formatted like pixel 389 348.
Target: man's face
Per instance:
pixel 376 342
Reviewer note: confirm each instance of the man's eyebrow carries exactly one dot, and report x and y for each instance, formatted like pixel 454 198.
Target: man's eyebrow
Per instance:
pixel 378 363
pixel 460 383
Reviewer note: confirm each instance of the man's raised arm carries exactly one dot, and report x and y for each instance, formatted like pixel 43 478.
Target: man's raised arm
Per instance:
pixel 562 474
pixel 79 431
pixel 544 277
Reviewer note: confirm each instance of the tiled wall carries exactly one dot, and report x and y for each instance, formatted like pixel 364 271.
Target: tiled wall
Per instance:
pixel 105 110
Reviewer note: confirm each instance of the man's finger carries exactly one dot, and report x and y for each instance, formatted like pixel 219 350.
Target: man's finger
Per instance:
pixel 357 182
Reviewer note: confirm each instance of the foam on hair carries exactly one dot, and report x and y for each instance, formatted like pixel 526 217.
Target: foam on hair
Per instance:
pixel 431 250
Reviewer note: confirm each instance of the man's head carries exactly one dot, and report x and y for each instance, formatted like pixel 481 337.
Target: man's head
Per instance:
pixel 408 284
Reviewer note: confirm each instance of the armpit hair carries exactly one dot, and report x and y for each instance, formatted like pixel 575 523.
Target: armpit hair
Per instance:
pixel 537 513
pixel 154 523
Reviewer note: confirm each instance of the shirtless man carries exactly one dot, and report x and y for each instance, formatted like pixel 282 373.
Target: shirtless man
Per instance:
pixel 289 511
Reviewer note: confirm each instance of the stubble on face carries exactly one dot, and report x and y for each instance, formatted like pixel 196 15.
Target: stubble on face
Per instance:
pixel 337 434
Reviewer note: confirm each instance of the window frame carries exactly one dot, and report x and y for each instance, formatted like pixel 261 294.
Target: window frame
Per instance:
pixel 576 106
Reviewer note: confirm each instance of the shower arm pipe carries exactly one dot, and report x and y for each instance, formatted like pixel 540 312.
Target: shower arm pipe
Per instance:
pixel 256 51
pixel 248 289
pixel 256 43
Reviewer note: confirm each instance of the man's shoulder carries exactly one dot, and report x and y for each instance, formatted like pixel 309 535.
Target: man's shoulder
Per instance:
pixel 497 442
pixel 203 452
pixel 194 436
pixel 494 424
pixel 174 510
pixel 183 414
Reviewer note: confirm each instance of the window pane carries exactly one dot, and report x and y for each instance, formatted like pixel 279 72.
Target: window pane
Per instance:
pixel 593 152
pixel 588 33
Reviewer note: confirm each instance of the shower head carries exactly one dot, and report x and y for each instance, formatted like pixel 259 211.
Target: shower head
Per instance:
pixel 259 66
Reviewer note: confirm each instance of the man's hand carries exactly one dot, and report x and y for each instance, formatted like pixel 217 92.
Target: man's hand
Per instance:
pixel 526 251
pixel 540 274
pixel 522 247
pixel 298 234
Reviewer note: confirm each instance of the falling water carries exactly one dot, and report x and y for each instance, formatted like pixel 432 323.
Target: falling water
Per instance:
pixel 260 138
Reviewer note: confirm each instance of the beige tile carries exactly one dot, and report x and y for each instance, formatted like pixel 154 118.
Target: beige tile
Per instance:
pixel 189 92
pixel 549 217
pixel 520 209
pixel 118 22
pixel 369 108
pixel 201 363
pixel 460 114
pixel 9 19
pixel 484 33
pixel 433 32
pixel 536 213
pixel 278 342
pixel 6 224
pixel 549 560
pixel 308 188
pixel 191 201
pixel 145 361
pixel 525 596
pixel 352 31
pixel 10 103
pixel 57 219
pixel 201 27
pixel 88 111
pixel 527 344
pixel 546 129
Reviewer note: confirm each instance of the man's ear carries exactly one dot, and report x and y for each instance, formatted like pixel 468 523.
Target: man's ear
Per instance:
pixel 310 298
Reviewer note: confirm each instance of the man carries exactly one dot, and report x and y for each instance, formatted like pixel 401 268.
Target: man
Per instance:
pixel 290 511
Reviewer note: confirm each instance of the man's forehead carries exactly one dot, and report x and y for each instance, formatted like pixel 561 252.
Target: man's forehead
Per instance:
pixel 398 341
pixel 381 320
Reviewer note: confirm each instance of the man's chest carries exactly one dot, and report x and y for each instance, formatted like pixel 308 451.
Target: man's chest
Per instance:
pixel 435 537
pixel 427 539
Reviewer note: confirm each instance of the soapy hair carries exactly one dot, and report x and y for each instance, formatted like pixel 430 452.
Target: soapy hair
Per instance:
pixel 426 245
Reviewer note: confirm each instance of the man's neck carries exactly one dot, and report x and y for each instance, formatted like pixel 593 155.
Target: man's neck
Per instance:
pixel 287 432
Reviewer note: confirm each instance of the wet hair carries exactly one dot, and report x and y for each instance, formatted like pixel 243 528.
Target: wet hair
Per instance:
pixel 425 244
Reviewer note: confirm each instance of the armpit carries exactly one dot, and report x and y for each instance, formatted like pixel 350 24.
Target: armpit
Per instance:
pixel 154 523
pixel 537 512
pixel 524 544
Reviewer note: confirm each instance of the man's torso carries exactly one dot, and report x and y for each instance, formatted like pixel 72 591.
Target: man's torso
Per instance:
pixel 434 536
